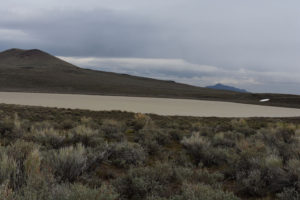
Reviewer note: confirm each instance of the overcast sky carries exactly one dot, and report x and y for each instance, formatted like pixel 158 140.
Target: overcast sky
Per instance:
pixel 252 44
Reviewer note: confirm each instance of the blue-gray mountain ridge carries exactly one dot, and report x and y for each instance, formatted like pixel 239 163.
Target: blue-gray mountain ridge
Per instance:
pixel 220 86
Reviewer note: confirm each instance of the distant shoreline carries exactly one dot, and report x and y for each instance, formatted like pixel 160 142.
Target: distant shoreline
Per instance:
pixel 160 106
pixel 237 100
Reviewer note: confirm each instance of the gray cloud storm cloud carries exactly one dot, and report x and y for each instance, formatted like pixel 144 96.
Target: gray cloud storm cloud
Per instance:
pixel 250 44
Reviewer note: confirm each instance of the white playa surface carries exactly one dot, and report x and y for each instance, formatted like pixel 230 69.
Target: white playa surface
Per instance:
pixel 161 106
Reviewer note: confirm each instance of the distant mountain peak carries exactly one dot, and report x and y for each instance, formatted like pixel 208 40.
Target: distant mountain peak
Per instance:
pixel 32 58
pixel 12 51
pixel 33 52
pixel 23 53
pixel 220 86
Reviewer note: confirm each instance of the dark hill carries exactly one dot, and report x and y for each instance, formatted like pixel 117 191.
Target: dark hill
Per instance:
pixel 37 71
pixel 220 86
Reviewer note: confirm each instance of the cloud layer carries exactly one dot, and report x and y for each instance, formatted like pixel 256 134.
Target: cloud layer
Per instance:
pixel 186 72
pixel 252 44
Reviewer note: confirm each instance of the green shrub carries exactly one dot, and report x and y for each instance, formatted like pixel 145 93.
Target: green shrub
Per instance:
pixel 203 176
pixel 196 145
pixel 262 176
pixel 221 140
pixel 80 192
pixel 283 140
pixel 64 154
pixel 113 130
pixel 67 124
pixel 203 192
pixel 241 126
pixel 142 121
pixel 143 182
pixel 76 191
pixel 85 135
pixel 252 184
pixel 11 127
pixel 176 135
pixel 8 167
pixel 6 193
pixel 163 180
pixel 126 154
pixel 48 137
pixel 89 122
pixel 201 150
pixel 19 152
pixel 37 187
pixel 6 126
pixel 247 157
pixel 68 163
pixel 150 132
pixel 151 140
pixel 293 166
pixel 43 125
pixel 289 194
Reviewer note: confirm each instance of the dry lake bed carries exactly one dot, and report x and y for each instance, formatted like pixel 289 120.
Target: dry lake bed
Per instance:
pixel 161 106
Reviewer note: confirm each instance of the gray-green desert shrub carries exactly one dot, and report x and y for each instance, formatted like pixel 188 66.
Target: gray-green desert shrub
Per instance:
pixel 148 141
pixel 19 152
pixel 289 194
pixel 85 135
pixel 6 193
pixel 69 162
pixel 113 130
pixel 139 183
pixel 78 191
pixel 161 181
pixel 64 154
pixel 252 184
pixel 48 137
pixel 12 127
pixel 8 167
pixel 201 150
pixel 203 192
pixel 126 154
pixel 196 145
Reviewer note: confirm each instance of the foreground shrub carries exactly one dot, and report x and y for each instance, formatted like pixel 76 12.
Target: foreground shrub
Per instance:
pixel 37 187
pixel 6 127
pixel 201 150
pixel 8 167
pixel 222 139
pixel 19 152
pixel 203 176
pixel 142 121
pixel 140 183
pixel 241 126
pixel 163 180
pixel 85 135
pixel 67 124
pixel 148 139
pixel 8 173
pixel 127 154
pixel 6 193
pixel 283 140
pixel 80 192
pixel 289 194
pixel 50 154
pixel 39 181
pixel 203 192
pixel 12 127
pixel 48 137
pixel 252 184
pixel 48 191
pixel 113 130
pixel 68 163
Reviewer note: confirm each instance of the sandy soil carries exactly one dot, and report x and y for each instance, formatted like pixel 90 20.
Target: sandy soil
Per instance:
pixel 161 106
